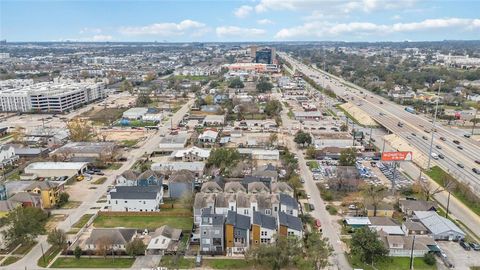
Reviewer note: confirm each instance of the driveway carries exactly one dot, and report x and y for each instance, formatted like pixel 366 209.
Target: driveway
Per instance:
pixel 148 261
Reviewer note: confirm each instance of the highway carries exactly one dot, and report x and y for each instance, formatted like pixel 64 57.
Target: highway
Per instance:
pixel 388 114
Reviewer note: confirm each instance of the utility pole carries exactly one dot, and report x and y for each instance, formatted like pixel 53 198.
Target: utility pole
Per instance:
pixel 448 204
pixel 411 253
pixel 433 124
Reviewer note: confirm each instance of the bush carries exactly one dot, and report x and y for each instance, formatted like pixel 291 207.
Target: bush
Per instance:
pixel 332 210
pixel 429 259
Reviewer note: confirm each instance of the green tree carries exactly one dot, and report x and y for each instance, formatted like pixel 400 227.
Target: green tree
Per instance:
pixel 429 258
pixel 143 99
pixel 223 158
pixel 285 252
pixel 272 139
pixel 236 83
pixel 208 99
pixel 80 130
pixel 273 108
pixel 264 86
pixel 63 199
pixel 214 84
pixel 135 247
pixel 303 138
pixel 366 245
pixel 77 252
pixel 126 86
pixel 317 251
pixel 348 157
pixel 311 152
pixel 57 238
pixel 24 225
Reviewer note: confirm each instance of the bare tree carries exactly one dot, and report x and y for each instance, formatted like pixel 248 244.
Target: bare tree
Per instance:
pixel 103 245
pixel 428 190
pixel 374 195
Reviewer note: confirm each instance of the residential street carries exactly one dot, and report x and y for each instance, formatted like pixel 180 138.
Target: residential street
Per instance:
pixel 29 261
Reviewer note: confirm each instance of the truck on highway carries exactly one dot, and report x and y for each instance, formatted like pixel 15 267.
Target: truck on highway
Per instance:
pixel 410 110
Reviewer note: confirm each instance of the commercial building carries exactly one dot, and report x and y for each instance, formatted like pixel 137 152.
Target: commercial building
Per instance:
pixel 57 96
pixel 56 169
pixel 265 56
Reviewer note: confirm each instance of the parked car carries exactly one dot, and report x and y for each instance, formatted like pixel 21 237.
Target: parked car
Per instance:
pixel 475 246
pixel 312 207
pixel 465 245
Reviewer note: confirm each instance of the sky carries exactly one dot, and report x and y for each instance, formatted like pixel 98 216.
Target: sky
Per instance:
pixel 235 20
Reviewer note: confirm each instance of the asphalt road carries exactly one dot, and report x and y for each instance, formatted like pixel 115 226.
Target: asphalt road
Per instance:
pixel 29 261
pixel 417 124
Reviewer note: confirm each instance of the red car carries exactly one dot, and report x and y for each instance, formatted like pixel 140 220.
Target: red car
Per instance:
pixel 318 224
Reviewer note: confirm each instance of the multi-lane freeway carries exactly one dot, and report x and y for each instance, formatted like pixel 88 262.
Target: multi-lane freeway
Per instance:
pixel 416 129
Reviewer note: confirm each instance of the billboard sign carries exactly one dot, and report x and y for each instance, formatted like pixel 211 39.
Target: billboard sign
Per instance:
pixel 397 156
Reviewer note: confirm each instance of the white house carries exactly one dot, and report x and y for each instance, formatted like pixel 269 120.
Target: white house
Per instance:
pixel 7 155
pixel 401 246
pixel 214 120
pixel 135 198
pixel 264 228
pixel 208 136
pixel 164 239
pixel 191 154
pixel 262 154
pixel 135 113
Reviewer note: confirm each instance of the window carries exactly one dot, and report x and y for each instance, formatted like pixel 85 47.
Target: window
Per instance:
pixel 268 212
pixel 291 233
pixel 231 208
pixel 254 209
pixel 275 209
pixel 217 231
pixel 116 202
pixel 245 212
pixel 204 232
pixel 144 202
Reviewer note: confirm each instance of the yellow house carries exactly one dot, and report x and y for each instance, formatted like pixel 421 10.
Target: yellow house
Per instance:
pixel 48 191
pixel 383 210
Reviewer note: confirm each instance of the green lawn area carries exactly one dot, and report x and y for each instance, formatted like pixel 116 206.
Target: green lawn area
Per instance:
pixel 71 262
pixel 193 78
pixel 10 260
pixel 393 263
pixel 290 114
pixel 182 263
pixel 128 143
pixel 49 256
pixel 14 176
pixel 312 164
pixel 99 181
pixel 438 175
pixel 82 221
pixel 306 206
pixel 25 248
pixel 143 222
pixel 226 264
pixel 114 166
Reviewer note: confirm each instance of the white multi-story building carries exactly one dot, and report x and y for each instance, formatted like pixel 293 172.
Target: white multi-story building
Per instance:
pixel 135 198
pixel 57 96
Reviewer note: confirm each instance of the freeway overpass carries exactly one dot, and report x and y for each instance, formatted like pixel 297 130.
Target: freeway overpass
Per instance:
pixel 414 129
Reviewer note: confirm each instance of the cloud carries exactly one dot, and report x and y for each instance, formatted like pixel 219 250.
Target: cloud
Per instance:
pixel 264 22
pixel 101 38
pixel 243 11
pixel 165 29
pixel 234 31
pixel 88 30
pixel 396 17
pixel 322 29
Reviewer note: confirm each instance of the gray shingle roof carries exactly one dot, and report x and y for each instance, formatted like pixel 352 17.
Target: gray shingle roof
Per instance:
pixel 117 236
pixel 135 192
pixel 435 223
pixel 238 221
pixel 265 221
pixel 292 222
pixel 288 200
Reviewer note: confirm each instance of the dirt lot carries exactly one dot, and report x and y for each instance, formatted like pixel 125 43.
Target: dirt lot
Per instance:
pixel 358 114
pixel 401 145
pixel 121 134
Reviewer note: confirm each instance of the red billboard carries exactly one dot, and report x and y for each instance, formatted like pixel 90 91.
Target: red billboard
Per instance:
pixel 397 156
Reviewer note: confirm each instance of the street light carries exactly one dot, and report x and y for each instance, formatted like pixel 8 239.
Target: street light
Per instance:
pixel 433 123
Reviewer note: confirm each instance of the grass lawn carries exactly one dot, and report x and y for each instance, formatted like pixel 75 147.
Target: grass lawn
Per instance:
pixel 393 263
pixel 71 262
pixel 99 181
pixel 49 256
pixel 227 264
pixel 114 166
pixel 182 263
pixel 306 206
pixel 71 205
pixel 82 221
pixel 312 164
pixel 128 143
pixel 143 222
pixel 10 260
pixel 192 78
pixel 25 248
pixel 438 175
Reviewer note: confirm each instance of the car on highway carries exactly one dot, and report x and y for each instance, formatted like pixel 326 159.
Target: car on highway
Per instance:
pixel 466 135
pixel 456 142
pixel 413 134
pixel 438 146
pixel 460 165
pixel 426 130
pixel 409 137
pixel 443 138
pixel 381 102
pixel 424 137
pixel 475 170
pixel 460 147
pixel 440 156
pixel 477 161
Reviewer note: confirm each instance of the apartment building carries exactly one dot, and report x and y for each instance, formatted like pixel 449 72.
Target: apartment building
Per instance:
pixel 57 96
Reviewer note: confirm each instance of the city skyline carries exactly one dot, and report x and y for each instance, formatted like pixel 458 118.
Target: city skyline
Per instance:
pixel 264 20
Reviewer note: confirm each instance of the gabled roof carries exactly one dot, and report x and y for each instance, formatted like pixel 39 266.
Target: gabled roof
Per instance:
pixel 435 223
pixel 211 187
pixel 169 232
pixel 238 221
pixel 234 187
pixel 117 236
pixel 135 192
pixel 288 201
pixel 417 205
pixel 183 176
pixel 257 187
pixel 265 221
pixel 292 222
pixel 281 187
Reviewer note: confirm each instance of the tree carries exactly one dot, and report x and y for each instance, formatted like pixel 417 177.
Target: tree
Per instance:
pixel 143 99
pixel 80 130
pixel 285 252
pixel 223 158
pixel 208 99
pixel 428 190
pixel 429 258
pixel 366 245
pixel 264 86
pixel 57 238
pixel 348 157
pixel 317 251
pixel 303 138
pixel 311 152
pixel 18 134
pixel 214 84
pixel 135 247
pixel 24 224
pixel 374 194
pixel 344 127
pixel 236 83
pixel 187 199
pixel 103 245
pixel 77 252
pixel 150 76
pixel 126 86
pixel 272 139
pixel 273 108
pixel 63 199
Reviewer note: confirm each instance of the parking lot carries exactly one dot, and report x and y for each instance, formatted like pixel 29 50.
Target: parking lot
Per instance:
pixel 461 259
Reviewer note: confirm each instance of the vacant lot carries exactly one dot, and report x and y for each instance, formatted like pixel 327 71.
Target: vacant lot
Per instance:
pixel 70 262
pixel 143 222
pixel 394 263
pixel 104 116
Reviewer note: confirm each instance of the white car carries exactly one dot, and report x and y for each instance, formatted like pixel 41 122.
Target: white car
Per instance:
pixel 308 196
